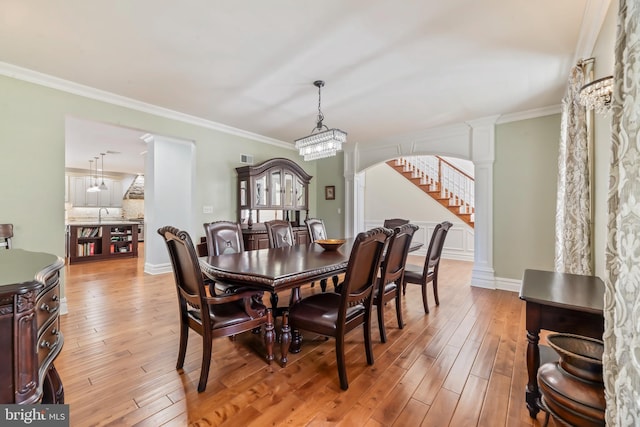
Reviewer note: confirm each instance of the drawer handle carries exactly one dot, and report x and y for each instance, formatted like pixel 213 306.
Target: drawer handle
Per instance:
pixel 45 344
pixel 45 307
pixel 54 297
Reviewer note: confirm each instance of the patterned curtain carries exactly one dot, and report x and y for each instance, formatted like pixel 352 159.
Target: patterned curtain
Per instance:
pixel 573 207
pixel 622 280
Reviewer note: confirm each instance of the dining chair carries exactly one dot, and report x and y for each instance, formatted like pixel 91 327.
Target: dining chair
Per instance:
pixel 210 315
pixel 332 314
pixel 391 274
pixel 429 272
pixel 280 233
pixel 225 237
pixel 394 222
pixel 317 231
pixel 6 234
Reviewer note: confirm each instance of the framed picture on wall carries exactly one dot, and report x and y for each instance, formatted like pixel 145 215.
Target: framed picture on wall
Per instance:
pixel 330 192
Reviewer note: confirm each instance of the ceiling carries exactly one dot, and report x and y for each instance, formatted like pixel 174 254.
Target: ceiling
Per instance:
pixel 390 68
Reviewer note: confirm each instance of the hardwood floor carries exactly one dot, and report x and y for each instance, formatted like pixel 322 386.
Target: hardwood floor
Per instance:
pixel 461 365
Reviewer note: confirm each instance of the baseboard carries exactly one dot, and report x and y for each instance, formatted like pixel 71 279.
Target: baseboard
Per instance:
pixel 157 268
pixel 505 284
pixel 64 309
pixel 483 278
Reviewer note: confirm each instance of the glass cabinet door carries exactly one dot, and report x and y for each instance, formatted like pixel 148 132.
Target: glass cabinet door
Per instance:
pixel 261 190
pixel 276 188
pixel 300 195
pixel 289 196
pixel 243 196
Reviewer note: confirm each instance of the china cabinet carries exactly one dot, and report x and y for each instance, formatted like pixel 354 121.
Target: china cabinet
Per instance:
pixel 276 185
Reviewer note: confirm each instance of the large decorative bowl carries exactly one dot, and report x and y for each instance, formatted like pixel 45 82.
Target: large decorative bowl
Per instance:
pixel 330 244
pixel 580 356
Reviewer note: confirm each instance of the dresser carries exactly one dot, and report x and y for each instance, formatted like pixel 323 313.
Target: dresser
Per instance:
pixel 30 337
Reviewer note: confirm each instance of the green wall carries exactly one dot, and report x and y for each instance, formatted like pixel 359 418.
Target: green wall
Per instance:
pixel 524 195
pixel 32 141
pixel 331 172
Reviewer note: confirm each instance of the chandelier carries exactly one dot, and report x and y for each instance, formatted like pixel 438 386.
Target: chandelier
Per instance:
pixel 323 142
pixel 596 95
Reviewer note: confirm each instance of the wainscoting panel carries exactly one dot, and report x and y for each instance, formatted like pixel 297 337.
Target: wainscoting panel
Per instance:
pixel 458 244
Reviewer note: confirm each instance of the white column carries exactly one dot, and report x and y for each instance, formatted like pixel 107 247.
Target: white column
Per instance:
pixel 168 195
pixel 483 156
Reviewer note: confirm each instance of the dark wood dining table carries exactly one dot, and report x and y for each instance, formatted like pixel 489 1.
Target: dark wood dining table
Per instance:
pixel 281 269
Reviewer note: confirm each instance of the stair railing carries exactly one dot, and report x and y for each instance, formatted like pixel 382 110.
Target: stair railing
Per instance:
pixel 443 176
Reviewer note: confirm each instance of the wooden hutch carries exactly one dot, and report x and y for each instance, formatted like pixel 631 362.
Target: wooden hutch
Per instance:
pixel 278 185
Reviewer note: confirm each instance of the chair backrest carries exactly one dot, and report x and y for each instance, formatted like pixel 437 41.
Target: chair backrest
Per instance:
pixel 186 270
pixel 280 233
pixel 363 267
pixel 392 267
pixel 435 247
pixel 6 233
pixel 394 222
pixel 223 237
pixel 316 229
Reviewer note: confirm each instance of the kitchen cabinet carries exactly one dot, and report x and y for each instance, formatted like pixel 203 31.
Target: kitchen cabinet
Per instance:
pixel 96 242
pixel 79 197
pixel 276 184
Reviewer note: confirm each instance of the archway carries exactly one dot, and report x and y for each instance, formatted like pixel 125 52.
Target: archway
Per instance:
pixel 473 141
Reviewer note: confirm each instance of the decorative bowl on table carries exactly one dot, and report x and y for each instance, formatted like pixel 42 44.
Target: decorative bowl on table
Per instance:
pixel 330 244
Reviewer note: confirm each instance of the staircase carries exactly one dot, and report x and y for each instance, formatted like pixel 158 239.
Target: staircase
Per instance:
pixel 441 180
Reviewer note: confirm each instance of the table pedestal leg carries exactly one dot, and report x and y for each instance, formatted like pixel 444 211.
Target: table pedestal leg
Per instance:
pixel 285 339
pixel 296 340
pixel 532 394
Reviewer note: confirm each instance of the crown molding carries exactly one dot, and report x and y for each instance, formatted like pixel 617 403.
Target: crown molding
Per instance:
pixel 530 114
pixel 595 12
pixel 19 73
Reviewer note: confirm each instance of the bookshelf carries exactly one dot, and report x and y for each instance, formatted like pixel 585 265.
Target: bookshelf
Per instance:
pixel 93 242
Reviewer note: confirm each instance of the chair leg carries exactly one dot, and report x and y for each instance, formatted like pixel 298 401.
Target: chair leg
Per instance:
pixel 398 309
pixel 435 288
pixel 335 280
pixel 404 287
pixel 269 336
pixel 184 336
pixel 342 369
pixel 323 285
pixel 424 298
pixel 206 362
pixel 383 331
pixel 367 338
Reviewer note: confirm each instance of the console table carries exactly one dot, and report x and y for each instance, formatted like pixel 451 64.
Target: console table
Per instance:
pixel 559 302
pixel 30 337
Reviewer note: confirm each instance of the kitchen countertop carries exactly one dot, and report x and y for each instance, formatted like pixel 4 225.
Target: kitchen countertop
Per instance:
pixel 104 222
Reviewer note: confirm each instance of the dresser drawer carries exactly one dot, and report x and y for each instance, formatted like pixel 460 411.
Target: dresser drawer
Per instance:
pixel 49 341
pixel 47 306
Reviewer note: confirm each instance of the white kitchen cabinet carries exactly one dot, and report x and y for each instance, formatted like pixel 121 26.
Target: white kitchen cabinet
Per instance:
pixel 79 197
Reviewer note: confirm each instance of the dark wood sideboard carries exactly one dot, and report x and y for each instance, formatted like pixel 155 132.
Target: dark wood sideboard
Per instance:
pixel 257 238
pixel 30 337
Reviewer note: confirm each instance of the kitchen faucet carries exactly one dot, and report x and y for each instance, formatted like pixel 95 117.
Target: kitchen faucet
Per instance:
pixel 100 214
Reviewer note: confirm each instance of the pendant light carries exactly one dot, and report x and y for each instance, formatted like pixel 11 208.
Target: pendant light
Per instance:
pixel 92 188
pixel 103 186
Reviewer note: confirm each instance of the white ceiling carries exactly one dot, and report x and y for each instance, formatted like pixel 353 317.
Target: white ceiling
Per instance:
pixel 391 67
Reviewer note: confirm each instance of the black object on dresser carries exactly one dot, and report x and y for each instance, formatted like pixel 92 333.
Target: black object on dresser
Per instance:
pixel 30 337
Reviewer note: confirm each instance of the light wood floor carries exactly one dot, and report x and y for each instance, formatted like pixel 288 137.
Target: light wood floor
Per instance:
pixel 461 365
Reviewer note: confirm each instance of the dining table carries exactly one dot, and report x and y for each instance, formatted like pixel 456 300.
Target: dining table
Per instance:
pixel 281 269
